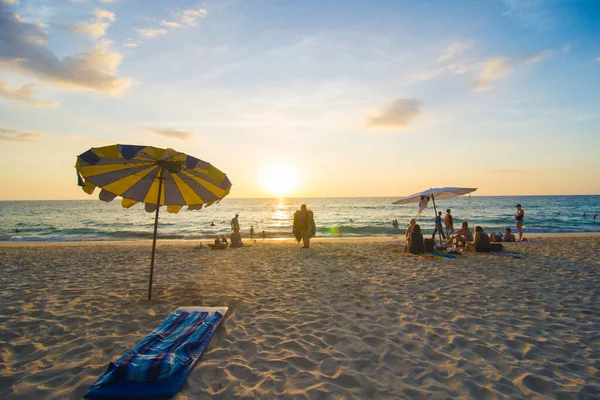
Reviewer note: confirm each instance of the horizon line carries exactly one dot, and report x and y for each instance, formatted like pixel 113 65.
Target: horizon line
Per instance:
pixel 326 197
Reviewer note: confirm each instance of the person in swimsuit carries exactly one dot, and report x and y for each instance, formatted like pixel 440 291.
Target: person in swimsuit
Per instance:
pixel 519 220
pixel 462 236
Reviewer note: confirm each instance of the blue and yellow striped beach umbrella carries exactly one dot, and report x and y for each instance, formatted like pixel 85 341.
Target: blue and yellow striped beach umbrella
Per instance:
pixel 153 176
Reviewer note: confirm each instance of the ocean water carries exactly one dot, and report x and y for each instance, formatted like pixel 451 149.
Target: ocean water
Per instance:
pixel 92 220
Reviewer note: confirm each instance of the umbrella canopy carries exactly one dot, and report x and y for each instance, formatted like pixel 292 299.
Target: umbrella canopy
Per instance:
pixel 153 176
pixel 435 193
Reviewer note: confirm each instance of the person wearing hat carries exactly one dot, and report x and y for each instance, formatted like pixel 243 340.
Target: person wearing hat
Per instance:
pixel 449 223
pixel 519 220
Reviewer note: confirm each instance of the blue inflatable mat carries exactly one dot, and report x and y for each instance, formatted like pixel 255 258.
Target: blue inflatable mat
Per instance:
pixel 159 364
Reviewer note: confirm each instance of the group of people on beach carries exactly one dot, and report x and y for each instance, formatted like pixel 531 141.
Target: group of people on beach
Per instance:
pixel 304 229
pixel 478 241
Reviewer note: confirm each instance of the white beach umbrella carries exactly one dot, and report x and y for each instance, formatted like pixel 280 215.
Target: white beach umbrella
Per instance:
pixel 434 193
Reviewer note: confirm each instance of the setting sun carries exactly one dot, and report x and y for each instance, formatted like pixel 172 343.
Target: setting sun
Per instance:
pixel 279 180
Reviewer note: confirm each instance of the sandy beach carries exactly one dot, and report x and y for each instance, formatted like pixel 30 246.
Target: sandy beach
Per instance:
pixel 344 319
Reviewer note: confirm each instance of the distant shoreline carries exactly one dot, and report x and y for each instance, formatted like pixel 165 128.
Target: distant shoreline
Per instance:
pixel 248 241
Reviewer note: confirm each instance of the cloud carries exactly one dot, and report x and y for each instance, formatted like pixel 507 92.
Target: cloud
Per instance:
pixel 130 43
pixel 14 136
pixel 398 113
pixel 9 2
pixel 190 17
pixel 456 49
pixel 186 18
pixel 23 95
pixel 105 15
pixel 598 59
pixel 152 32
pixel 24 49
pixel 172 133
pixel 170 24
pixel 94 29
pixel 501 67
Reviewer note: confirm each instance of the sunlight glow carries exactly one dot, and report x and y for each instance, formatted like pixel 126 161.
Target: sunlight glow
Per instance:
pixel 279 180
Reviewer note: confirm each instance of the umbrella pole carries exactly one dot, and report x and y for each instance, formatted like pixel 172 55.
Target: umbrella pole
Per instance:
pixel 160 181
pixel 435 218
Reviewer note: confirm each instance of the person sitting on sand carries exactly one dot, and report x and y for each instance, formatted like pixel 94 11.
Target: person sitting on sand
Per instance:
pixel 415 241
pixel 508 235
pixel 496 237
pixel 409 229
pixel 236 239
pixel 462 236
pixel 481 243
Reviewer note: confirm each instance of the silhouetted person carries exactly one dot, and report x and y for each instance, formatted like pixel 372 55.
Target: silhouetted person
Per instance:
pixel 236 238
pixel 519 220
pixel 235 223
pixel 251 232
pixel 304 226
pixel 481 243
pixel 415 241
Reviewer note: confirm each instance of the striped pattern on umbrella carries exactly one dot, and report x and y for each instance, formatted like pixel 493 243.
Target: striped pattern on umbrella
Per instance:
pixel 133 173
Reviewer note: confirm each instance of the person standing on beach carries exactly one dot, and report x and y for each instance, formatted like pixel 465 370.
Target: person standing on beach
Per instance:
pixel 449 222
pixel 251 232
pixel 519 220
pixel 235 223
pixel 438 226
pixel 304 226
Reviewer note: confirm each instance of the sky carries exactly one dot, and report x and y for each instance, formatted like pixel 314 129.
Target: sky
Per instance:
pixel 307 98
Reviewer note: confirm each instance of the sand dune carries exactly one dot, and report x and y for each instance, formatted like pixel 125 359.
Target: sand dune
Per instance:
pixel 344 319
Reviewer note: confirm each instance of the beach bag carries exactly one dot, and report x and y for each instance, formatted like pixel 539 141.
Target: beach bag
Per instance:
pixel 429 244
pixel 497 247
